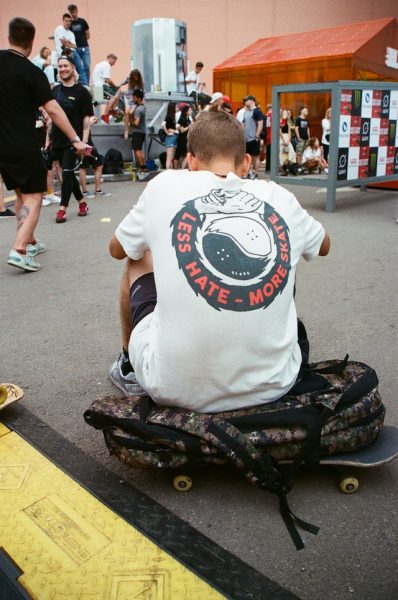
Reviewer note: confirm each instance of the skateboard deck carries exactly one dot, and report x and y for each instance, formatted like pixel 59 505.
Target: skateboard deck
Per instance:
pixel 381 451
pixel 9 393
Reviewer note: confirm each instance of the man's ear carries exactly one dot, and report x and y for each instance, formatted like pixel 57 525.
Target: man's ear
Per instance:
pixel 192 162
pixel 245 165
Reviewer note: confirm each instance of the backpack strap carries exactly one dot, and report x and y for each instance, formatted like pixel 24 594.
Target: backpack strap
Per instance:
pixel 260 468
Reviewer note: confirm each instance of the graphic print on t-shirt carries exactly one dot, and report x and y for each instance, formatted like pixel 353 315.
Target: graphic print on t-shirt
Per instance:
pixel 233 249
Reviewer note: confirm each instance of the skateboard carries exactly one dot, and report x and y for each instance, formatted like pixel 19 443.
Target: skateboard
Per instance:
pixel 9 392
pixel 383 450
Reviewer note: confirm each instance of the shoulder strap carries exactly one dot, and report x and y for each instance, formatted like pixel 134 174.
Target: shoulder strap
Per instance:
pixel 260 468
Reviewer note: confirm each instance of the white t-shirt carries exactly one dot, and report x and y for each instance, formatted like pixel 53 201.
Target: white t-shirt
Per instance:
pixel 61 32
pixel 223 334
pixel 194 77
pixel 325 130
pixel 310 153
pixel 102 71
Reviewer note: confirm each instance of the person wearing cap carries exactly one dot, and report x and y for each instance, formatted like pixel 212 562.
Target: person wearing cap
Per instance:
pixel 216 102
pixel 253 120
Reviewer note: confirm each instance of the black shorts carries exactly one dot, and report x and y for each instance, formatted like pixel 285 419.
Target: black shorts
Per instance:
pixel 253 147
pixel 143 297
pixel 95 159
pixel 137 140
pixel 30 178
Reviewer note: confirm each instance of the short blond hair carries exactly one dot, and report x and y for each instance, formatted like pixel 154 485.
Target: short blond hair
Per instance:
pixel 216 134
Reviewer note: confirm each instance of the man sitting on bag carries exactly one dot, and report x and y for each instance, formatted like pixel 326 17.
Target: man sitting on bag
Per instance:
pixel 207 307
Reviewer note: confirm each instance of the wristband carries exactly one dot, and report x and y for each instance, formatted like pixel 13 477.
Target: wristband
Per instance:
pixel 75 140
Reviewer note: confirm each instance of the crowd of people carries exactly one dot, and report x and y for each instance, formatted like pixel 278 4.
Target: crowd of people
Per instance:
pixel 67 85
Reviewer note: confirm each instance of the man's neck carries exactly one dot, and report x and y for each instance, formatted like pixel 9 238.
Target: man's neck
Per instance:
pixel 24 51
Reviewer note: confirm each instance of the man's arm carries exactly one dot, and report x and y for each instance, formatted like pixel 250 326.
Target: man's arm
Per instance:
pixel 60 119
pixel 325 246
pixel 116 249
pixel 296 129
pixel 86 128
pixel 260 125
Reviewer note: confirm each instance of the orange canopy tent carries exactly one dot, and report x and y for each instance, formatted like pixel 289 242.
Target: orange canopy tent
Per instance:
pixel 357 51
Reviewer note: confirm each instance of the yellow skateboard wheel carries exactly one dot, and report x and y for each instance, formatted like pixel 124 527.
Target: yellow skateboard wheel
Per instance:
pixel 349 485
pixel 182 483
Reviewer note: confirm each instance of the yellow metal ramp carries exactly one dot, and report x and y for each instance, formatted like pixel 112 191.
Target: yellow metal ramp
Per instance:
pixel 73 532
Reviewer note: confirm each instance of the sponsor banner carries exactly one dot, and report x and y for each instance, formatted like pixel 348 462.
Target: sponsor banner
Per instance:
pixel 394 105
pixel 353 163
pixel 366 109
pixel 345 102
pixel 381 161
pixel 385 104
pixel 365 132
pixel 374 132
pixel 344 131
pixel 342 163
pixel 390 160
pixel 383 133
pixel 376 104
pixel 363 161
pixel 372 165
pixel 396 161
pixel 355 131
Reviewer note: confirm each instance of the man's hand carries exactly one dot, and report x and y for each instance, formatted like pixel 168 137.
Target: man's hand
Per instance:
pixel 80 148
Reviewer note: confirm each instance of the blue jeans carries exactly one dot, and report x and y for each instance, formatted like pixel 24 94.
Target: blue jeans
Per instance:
pixel 81 58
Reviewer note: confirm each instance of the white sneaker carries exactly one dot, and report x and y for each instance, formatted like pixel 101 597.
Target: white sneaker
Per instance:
pixel 127 384
pixel 35 249
pixel 88 195
pixel 22 261
pixel 101 193
pixel 53 198
pixel 326 170
pixel 46 201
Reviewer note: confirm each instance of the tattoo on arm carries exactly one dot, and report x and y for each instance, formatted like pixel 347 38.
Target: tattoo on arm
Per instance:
pixel 22 216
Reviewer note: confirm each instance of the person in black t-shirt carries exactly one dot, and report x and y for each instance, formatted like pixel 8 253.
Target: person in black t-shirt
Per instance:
pixel 302 129
pixel 81 56
pixel 75 99
pixel 23 88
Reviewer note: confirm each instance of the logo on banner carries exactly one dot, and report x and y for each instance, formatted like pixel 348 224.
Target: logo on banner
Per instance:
pixel 342 163
pixel 233 249
pixel 392 132
pixel 355 131
pixel 363 161
pixel 356 103
pixel 376 103
pixel 365 132
pixel 383 132
pixel 385 104
pixel 396 162
pixel 372 166
pixel 345 102
pixel 366 109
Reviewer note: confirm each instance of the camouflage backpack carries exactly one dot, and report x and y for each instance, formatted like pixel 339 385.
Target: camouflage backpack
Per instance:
pixel 335 407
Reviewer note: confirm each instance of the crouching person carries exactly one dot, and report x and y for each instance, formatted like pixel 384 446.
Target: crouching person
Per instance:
pixel 207 305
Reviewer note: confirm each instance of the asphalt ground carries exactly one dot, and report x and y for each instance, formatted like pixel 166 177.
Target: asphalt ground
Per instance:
pixel 60 333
